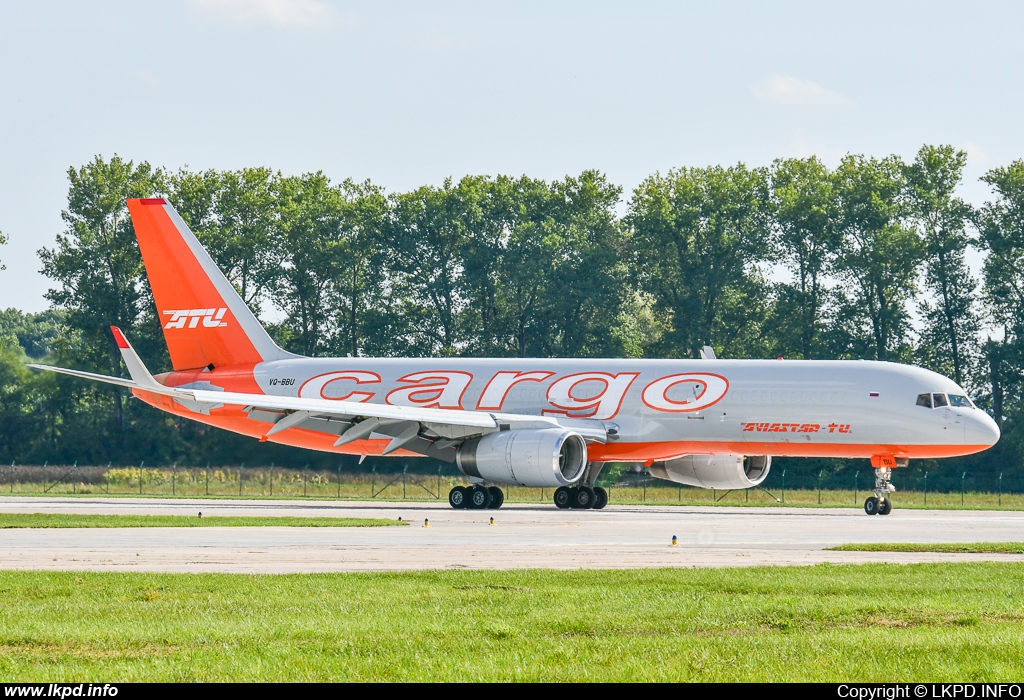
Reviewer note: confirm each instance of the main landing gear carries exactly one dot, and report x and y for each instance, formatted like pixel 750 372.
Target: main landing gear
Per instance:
pixel 581 497
pixel 880 503
pixel 584 495
pixel 477 497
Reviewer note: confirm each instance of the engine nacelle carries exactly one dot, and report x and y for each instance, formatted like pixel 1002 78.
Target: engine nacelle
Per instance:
pixel 725 472
pixel 543 457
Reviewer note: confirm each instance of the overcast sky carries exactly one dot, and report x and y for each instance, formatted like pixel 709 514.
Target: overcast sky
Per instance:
pixel 407 93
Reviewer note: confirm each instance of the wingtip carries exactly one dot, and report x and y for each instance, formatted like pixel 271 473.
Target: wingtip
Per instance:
pixel 119 338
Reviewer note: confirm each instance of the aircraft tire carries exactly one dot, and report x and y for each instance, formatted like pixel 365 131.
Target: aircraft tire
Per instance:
pixel 600 498
pixel 458 498
pixel 479 498
pixel 497 497
pixel 871 505
pixel 562 497
pixel 884 506
pixel 583 498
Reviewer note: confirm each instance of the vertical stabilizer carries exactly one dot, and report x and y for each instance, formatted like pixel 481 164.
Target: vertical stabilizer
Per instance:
pixel 204 319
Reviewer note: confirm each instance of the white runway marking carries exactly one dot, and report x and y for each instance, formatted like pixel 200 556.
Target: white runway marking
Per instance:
pixel 524 536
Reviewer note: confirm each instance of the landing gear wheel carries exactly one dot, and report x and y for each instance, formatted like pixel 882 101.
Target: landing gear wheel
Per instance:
pixel 884 506
pixel 457 498
pixel 479 497
pixel 871 506
pixel 497 497
pixel 562 497
pixel 583 497
pixel 600 498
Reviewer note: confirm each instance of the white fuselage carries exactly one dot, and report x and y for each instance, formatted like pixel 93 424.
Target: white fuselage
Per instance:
pixel 660 409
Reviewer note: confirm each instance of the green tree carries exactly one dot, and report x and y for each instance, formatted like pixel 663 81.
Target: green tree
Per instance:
pixel 1001 236
pixel 521 281
pixel 311 222
pixel 878 258
pixel 245 243
pixel 235 214
pixel 585 282
pixel 501 204
pixel 361 283
pixel 97 265
pixel 803 210
pixel 639 325
pixel 195 196
pixel 23 423
pixel 700 236
pixel 35 334
pixel 542 272
pixel 333 281
pixel 431 228
pixel 949 337
pixel 1001 228
pixel 507 261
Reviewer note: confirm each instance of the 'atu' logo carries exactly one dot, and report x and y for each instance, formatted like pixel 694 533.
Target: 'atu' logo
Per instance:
pixel 211 318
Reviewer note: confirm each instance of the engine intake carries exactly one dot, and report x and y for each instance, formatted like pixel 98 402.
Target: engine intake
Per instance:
pixel 725 472
pixel 540 457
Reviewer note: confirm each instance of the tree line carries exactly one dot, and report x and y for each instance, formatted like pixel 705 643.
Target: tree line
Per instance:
pixel 796 259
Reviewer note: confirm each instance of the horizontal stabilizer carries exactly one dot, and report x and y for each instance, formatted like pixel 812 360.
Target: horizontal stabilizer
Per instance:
pixel 117 381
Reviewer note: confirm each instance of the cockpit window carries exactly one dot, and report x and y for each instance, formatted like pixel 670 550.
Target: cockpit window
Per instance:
pixel 924 400
pixel 939 400
pixel 958 401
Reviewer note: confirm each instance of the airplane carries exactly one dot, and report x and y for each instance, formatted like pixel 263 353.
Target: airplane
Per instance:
pixel 535 422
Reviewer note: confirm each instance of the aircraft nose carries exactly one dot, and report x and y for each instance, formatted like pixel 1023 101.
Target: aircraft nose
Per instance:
pixel 980 429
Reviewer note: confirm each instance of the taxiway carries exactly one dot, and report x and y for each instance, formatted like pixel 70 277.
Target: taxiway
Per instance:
pixel 523 536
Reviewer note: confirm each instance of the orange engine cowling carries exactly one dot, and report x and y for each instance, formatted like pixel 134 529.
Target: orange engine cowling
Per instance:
pixel 725 472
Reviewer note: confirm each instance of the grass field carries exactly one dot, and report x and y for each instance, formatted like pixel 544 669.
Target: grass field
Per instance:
pixel 945 547
pixel 950 622
pixel 50 520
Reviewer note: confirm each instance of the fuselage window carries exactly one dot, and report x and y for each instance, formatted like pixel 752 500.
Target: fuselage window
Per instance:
pixel 940 400
pixel 924 400
pixel 958 401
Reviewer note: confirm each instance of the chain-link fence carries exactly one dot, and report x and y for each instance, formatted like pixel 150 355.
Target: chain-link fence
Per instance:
pixel 222 482
pixel 786 486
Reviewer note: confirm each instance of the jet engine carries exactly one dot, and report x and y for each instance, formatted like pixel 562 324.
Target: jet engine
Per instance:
pixel 725 472
pixel 542 457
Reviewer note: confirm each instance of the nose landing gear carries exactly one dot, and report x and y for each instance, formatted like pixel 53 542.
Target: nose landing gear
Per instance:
pixel 880 504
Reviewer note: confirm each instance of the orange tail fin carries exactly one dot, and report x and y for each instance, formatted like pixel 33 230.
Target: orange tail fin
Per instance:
pixel 205 321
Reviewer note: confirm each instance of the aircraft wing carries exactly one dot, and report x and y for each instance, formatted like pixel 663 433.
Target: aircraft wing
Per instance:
pixel 406 425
